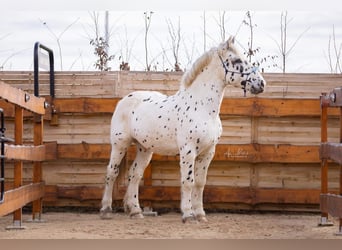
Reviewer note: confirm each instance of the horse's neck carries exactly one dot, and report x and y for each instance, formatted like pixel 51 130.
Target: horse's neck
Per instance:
pixel 207 92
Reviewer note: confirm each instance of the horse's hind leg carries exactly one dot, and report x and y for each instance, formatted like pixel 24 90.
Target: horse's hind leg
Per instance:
pixel 117 153
pixel 136 172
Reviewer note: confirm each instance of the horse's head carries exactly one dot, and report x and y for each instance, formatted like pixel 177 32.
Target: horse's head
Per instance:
pixel 238 71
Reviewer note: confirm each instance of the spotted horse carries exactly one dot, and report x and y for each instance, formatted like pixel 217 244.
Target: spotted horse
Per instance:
pixel 185 124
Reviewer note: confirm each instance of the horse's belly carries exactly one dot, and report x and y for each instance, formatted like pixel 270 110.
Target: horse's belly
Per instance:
pixel 166 149
pixel 162 146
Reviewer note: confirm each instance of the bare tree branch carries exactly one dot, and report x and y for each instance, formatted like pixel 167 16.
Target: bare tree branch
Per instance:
pixel 100 46
pixel 334 60
pixel 204 32
pixel 59 37
pixel 2 66
pixel 175 35
pixel 189 53
pixel 283 47
pixel 221 22
pixel 147 19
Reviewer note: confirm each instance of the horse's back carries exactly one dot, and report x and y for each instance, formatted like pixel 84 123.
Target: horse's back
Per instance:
pixel 148 118
pixel 135 103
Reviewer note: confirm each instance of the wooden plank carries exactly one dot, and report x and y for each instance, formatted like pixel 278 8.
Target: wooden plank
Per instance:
pixel 212 194
pixel 284 175
pixel 50 151
pixel 21 98
pixel 258 107
pixel 83 151
pixel 230 106
pixel 75 172
pixel 116 83
pixel 9 109
pixel 26 152
pixel 253 153
pixel 273 107
pixel 19 197
pixel 331 204
pixel 81 193
pixel 85 105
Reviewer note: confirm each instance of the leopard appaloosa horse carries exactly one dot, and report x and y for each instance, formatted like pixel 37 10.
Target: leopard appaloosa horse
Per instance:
pixel 186 123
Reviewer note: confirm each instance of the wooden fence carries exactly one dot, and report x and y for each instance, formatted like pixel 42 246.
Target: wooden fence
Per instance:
pixel 21 194
pixel 267 158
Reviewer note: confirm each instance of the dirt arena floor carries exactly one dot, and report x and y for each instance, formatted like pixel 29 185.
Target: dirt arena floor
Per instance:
pixel 81 225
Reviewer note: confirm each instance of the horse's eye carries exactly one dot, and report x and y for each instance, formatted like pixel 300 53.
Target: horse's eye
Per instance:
pixel 236 61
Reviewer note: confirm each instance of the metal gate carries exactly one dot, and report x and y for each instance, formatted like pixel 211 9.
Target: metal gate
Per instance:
pixel 2 156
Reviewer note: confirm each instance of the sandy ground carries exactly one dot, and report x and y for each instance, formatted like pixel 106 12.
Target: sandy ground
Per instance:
pixel 73 225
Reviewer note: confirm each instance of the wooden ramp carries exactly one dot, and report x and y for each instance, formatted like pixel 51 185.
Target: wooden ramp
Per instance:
pixel 20 195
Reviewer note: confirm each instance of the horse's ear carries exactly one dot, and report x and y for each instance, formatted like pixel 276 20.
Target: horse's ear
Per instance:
pixel 230 41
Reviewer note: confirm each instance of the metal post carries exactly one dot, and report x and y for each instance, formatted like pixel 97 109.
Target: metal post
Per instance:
pixel 2 156
pixel 339 232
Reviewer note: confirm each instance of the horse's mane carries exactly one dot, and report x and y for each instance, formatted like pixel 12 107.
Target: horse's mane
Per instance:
pixel 190 75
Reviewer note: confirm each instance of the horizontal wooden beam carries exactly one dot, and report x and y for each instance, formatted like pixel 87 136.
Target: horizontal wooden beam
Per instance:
pixel 84 151
pixel 331 151
pixel 274 107
pixel 19 197
pixel 332 204
pixel 230 106
pixel 257 153
pixel 254 153
pixel 25 152
pixel 22 98
pixel 257 107
pixel 246 195
pixel 48 151
pixel 85 105
pixel 212 194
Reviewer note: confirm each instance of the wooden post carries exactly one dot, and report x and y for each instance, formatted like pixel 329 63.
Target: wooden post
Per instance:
pixel 324 163
pixel 37 166
pixel 18 165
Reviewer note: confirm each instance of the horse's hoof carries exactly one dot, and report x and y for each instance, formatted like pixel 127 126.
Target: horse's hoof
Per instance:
pixel 138 215
pixel 201 218
pixel 106 214
pixel 189 219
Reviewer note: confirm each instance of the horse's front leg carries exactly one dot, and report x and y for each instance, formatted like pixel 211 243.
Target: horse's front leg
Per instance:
pixel 201 169
pixel 136 172
pixel 187 160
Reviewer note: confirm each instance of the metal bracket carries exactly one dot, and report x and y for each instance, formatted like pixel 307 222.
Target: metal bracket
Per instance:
pixel 147 211
pixel 17 225
pixel 324 222
pixel 37 218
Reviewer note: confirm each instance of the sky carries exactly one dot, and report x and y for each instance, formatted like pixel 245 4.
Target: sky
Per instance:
pixel 69 31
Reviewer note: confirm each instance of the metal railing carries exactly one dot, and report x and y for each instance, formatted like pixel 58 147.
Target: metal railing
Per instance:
pixel 38 46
